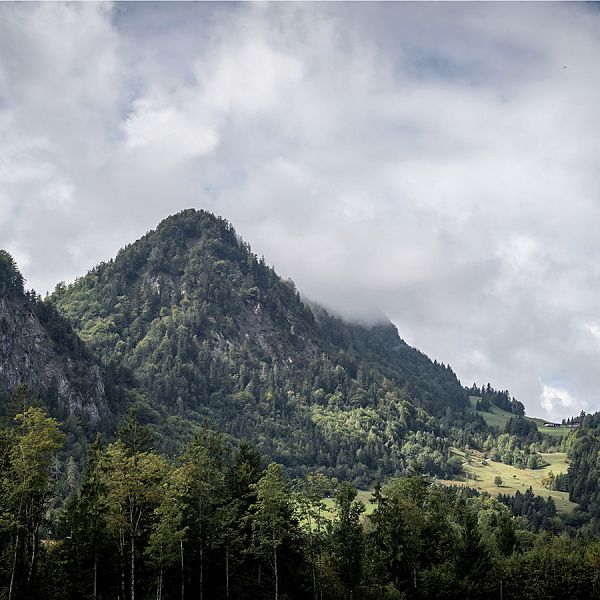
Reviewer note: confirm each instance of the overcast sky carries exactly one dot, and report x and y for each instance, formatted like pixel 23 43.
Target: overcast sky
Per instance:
pixel 438 162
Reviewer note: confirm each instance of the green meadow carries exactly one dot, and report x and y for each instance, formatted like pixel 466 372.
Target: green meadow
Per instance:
pixel 481 474
pixel 481 477
pixel 498 418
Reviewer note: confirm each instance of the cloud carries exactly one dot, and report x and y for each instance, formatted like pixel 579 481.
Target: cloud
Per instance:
pixel 555 398
pixel 435 162
pixel 167 133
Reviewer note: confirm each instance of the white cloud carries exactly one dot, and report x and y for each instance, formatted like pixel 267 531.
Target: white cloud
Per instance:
pixel 247 78
pixel 170 135
pixel 594 329
pixel 555 400
pixel 436 162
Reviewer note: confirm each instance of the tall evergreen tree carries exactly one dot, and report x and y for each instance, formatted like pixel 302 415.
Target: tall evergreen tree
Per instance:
pixel 273 519
pixel 347 538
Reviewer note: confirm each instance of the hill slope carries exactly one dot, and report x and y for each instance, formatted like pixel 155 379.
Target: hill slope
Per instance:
pixel 39 348
pixel 208 330
pixel 496 417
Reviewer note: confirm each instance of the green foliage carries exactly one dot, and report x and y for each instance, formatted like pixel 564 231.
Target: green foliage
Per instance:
pixel 11 280
pixel 273 520
pixel 540 513
pixel 214 524
pixel 558 568
pixel 168 532
pixel 426 541
pixel 347 539
pixel 192 324
pixel 314 519
pixel 486 397
pixel 584 470
pixel 134 436
pixel 523 428
pixel 84 526
pixel 28 446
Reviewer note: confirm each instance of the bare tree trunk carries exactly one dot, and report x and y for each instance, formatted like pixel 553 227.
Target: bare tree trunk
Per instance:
pixel 182 571
pixel 276 574
pixel 95 574
pixel 132 567
pixel 31 562
pixel 201 571
pixel 122 560
pixel 34 545
pixel 159 584
pixel 227 571
pixel 11 587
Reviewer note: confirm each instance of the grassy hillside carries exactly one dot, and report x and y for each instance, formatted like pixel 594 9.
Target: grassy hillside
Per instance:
pixel 481 476
pixel 556 432
pixel 498 418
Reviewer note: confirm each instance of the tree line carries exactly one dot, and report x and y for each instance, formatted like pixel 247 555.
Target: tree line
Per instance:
pixel 217 522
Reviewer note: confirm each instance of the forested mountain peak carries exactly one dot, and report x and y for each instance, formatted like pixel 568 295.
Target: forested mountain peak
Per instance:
pixel 194 326
pixel 191 261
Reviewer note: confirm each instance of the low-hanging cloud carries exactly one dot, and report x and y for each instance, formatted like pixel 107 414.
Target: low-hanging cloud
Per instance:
pixel 437 162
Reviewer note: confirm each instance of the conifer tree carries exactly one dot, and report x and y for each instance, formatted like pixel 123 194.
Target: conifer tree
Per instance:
pixel 347 538
pixel 203 474
pixel 272 519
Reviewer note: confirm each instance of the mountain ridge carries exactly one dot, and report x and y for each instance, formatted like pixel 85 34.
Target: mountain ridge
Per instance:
pixel 209 331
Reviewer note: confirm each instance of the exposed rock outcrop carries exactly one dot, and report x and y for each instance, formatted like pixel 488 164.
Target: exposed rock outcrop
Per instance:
pixel 29 355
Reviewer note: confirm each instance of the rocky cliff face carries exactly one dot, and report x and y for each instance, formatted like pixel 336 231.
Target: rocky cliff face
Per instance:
pixel 29 355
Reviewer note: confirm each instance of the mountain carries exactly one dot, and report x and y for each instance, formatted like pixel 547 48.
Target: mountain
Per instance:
pixel 194 326
pixel 188 326
pixel 39 348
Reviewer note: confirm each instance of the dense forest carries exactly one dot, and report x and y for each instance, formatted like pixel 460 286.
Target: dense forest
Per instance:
pixel 584 473
pixel 217 521
pixel 191 325
pixel 179 422
pixel 488 396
